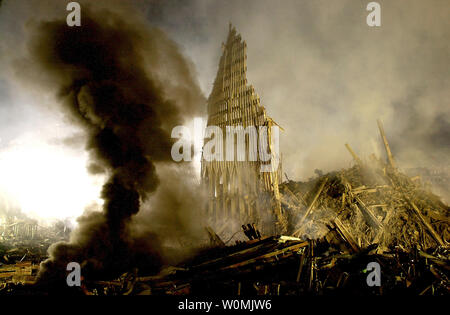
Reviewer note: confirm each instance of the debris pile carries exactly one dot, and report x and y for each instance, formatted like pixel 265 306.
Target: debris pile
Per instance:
pixel 342 225
pixel 23 246
pixel 370 203
pixel 285 265
pixel 22 272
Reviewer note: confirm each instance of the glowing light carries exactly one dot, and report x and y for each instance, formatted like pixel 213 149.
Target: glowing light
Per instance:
pixel 47 181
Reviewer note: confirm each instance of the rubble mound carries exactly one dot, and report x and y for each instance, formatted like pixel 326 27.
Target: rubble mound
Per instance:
pixel 370 203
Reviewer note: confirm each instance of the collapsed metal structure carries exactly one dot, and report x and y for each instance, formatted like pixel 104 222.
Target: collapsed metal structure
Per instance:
pixel 238 190
pixel 338 224
pixel 370 203
pixel 321 234
pixel 11 228
pixel 23 246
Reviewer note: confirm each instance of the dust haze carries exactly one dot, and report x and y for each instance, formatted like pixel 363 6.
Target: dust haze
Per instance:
pixel 325 76
pixel 321 72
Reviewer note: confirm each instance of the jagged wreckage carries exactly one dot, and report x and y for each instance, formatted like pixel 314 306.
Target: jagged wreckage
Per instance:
pixel 23 246
pixel 333 226
pixel 338 224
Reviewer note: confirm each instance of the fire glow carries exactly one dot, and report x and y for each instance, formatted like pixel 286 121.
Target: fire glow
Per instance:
pixel 47 181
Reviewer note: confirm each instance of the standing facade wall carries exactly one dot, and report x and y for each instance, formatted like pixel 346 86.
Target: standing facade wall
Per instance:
pixel 238 192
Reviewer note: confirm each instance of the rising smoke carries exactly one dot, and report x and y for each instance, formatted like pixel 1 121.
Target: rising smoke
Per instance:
pixel 127 86
pixel 317 66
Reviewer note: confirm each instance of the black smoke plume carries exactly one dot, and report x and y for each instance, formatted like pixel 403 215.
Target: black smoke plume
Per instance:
pixel 107 76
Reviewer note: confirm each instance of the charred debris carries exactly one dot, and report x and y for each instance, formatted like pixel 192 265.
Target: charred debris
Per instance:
pixel 338 224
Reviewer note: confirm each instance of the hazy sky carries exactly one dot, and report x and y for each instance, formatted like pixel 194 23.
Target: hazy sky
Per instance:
pixel 322 73
pixel 325 76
